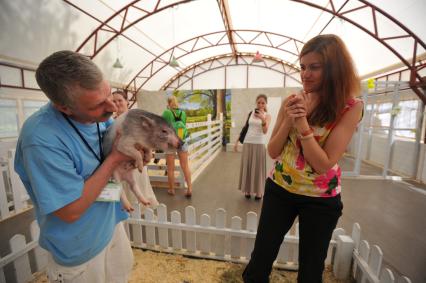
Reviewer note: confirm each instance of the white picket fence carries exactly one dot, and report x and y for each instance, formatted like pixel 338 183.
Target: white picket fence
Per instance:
pixel 349 256
pixel 13 196
pixel 20 255
pixel 367 262
pixel 204 146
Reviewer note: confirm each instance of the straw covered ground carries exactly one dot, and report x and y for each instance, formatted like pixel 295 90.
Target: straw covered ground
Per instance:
pixel 155 267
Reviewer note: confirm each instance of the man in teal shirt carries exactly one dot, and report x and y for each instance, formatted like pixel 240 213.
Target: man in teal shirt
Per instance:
pixel 60 161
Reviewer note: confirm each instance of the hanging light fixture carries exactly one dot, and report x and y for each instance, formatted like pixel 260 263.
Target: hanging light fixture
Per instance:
pixel 117 64
pixel 257 58
pixel 173 62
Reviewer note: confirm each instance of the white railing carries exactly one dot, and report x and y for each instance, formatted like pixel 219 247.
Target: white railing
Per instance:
pixel 235 243
pixel 21 251
pixel 204 146
pixel 349 256
pixel 367 262
pixel 13 197
pixel 207 240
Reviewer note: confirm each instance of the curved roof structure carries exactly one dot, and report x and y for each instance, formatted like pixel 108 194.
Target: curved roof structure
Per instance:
pixel 214 41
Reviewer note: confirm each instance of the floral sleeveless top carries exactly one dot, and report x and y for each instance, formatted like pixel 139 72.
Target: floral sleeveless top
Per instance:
pixel 294 174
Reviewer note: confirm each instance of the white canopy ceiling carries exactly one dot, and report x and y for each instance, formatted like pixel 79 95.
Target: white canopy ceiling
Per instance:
pixel 213 40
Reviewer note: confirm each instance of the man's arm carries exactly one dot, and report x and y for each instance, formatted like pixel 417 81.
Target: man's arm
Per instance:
pixel 93 186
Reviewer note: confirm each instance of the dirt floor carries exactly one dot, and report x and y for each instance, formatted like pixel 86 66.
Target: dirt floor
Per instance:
pixel 155 267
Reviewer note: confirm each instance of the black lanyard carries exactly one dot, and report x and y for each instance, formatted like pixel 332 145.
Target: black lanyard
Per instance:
pixel 101 158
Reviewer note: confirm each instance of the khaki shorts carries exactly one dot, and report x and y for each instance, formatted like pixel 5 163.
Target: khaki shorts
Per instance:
pixel 113 264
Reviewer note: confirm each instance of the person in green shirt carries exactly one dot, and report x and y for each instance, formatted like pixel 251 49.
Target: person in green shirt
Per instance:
pixel 177 119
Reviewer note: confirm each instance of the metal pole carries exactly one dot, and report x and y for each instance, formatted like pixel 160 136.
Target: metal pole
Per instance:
pixel 357 167
pixel 419 127
pixel 391 138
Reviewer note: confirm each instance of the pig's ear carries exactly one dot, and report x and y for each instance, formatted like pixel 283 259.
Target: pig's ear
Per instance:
pixel 148 122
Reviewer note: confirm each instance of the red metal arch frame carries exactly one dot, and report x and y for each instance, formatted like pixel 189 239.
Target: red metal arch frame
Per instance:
pixel 198 69
pixel 416 81
pixel 23 73
pixel 159 62
pixel 106 27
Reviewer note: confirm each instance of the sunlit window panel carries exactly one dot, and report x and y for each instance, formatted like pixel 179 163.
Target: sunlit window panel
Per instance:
pixel 31 106
pixel 9 121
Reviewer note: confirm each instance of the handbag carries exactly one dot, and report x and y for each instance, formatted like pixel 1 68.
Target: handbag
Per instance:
pixel 244 130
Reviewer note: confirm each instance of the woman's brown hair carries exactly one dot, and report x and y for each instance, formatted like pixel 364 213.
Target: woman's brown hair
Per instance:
pixel 340 79
pixel 265 98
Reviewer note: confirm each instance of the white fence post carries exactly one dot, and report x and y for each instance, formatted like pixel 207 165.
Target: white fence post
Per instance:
pixel 356 237
pixel 21 265
pixel 251 226
pixel 150 230
pixel 163 233
pixel 343 257
pixel 176 233
pixel 375 260
pixel 221 127
pixel 2 277
pixel 4 206
pixel 40 254
pixel 191 238
pixel 364 252
pixel 236 224
pixel 204 237
pixel 220 239
pixel 209 135
pixel 331 250
pixel 136 228
pixel 387 276
pixel 20 196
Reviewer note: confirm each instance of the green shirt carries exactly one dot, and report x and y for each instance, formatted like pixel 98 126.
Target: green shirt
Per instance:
pixel 177 121
pixel 168 115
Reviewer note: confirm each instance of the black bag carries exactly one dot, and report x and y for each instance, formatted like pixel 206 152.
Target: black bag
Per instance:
pixel 244 130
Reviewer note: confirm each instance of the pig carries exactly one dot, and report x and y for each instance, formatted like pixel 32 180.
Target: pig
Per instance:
pixel 140 133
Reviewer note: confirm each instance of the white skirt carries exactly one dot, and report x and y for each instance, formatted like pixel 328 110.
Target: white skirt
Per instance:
pixel 253 169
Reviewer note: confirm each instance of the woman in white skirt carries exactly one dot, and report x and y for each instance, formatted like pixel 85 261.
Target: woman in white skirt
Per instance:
pixel 253 160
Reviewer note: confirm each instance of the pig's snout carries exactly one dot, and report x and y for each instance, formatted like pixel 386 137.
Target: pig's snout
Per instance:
pixel 175 142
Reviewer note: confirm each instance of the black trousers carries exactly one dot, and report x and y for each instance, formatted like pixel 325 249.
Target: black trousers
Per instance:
pixel 317 220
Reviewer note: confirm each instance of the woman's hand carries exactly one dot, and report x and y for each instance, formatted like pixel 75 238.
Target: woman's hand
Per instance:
pixel 260 114
pixel 294 107
pixel 236 146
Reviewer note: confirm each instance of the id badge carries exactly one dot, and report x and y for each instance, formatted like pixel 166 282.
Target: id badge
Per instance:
pixel 111 192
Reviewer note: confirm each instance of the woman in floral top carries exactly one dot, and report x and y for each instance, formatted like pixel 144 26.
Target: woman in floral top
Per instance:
pixel 311 134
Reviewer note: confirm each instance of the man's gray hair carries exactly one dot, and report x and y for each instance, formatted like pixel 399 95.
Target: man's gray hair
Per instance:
pixel 62 74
